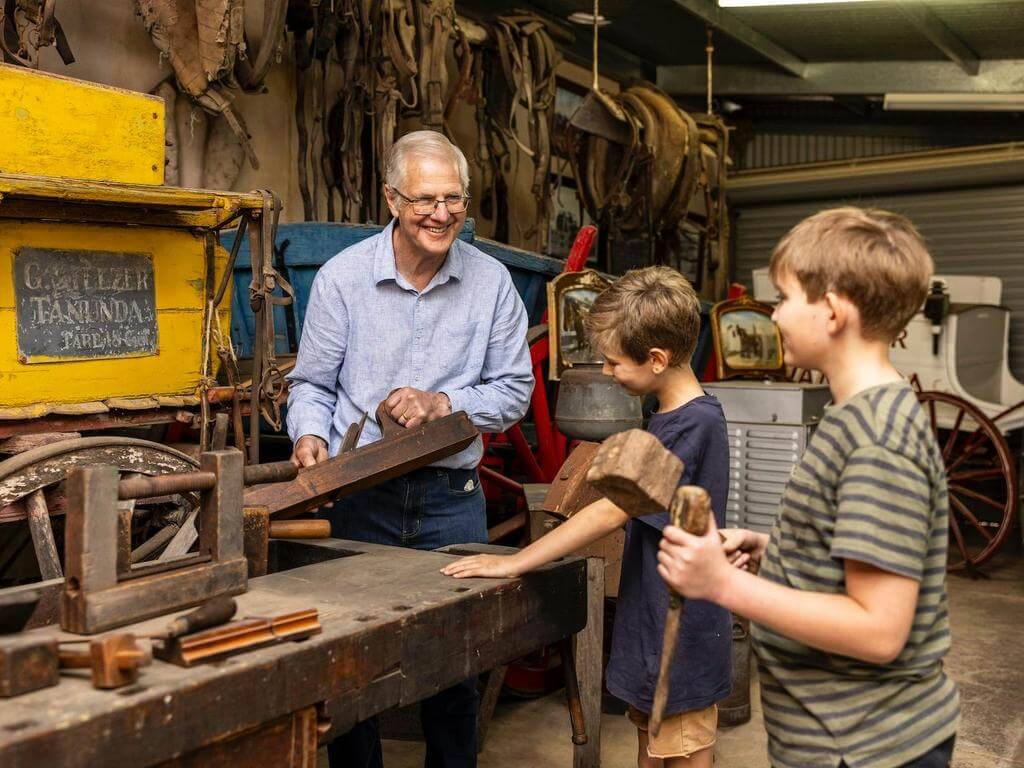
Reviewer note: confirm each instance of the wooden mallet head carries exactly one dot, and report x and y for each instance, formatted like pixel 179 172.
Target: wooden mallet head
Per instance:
pixel 636 472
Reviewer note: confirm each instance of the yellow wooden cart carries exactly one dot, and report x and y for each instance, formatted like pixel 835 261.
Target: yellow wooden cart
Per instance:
pixel 114 302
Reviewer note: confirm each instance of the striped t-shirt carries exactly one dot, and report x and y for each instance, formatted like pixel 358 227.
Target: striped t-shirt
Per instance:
pixel 870 487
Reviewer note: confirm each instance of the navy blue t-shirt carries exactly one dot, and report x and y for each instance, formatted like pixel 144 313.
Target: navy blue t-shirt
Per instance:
pixel 700 672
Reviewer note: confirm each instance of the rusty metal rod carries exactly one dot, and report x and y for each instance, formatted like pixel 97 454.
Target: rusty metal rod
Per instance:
pixel 190 482
pixel 271 472
pixel 162 485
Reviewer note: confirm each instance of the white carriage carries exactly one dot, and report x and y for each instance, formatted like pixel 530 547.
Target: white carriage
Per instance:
pixel 957 359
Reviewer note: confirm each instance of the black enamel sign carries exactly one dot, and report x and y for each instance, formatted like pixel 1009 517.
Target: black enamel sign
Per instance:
pixel 83 304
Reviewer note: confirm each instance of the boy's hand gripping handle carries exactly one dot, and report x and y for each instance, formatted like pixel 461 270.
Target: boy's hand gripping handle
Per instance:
pixel 690 510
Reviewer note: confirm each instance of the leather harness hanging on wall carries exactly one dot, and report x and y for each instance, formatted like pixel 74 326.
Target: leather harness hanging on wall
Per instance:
pixel 204 41
pixel 26 27
pixel 648 188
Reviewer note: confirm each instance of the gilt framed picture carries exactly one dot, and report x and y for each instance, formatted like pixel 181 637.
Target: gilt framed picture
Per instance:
pixel 570 296
pixel 747 342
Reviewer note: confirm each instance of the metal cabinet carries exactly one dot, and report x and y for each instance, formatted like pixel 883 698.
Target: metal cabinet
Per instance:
pixel 769 425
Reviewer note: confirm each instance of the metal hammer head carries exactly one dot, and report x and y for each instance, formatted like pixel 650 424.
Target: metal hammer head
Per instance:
pixel 636 471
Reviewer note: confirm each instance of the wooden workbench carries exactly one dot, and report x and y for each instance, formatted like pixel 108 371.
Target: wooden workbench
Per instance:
pixel 395 630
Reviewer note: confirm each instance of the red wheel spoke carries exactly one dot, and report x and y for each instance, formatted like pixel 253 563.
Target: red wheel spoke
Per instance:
pixel 975 474
pixel 958 535
pixel 978 497
pixel 931 415
pixel 970 450
pixel 970 518
pixel 953 434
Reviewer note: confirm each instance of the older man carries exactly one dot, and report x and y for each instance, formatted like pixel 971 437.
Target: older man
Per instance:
pixel 434 325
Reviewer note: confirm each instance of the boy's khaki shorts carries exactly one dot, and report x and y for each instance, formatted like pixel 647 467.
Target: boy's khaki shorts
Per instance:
pixel 680 734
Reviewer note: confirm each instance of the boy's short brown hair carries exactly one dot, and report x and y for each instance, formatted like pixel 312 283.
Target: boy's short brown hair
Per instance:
pixel 876 259
pixel 647 308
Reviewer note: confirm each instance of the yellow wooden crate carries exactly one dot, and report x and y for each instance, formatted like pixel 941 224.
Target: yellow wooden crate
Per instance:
pixel 104 290
pixel 57 126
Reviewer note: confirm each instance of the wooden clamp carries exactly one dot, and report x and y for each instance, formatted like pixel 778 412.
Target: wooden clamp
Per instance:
pixel 98 597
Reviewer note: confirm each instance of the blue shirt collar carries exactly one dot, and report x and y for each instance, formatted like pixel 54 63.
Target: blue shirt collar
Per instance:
pixel 384 262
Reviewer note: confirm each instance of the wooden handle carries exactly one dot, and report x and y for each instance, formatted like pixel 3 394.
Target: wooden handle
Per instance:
pixel 300 529
pixel 690 510
pixel 213 613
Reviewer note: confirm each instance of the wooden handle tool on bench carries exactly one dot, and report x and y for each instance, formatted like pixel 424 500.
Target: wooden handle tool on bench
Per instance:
pixel 690 510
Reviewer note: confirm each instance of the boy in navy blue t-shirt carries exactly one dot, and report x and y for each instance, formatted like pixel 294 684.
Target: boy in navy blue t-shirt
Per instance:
pixel 646 327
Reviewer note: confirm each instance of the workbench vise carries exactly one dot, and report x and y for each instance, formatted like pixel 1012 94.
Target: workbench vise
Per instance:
pixel 103 589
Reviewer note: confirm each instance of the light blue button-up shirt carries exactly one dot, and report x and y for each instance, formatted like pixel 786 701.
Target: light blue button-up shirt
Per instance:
pixel 368 332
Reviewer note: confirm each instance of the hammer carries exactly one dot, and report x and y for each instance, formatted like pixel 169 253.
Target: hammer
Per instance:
pixel 635 471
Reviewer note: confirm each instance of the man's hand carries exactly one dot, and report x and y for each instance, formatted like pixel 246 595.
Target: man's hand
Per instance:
pixel 743 548
pixel 694 566
pixel 309 450
pixel 412 407
pixel 493 566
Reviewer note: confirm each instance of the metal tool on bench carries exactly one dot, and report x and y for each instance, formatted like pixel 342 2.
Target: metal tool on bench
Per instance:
pixel 238 637
pixel 103 589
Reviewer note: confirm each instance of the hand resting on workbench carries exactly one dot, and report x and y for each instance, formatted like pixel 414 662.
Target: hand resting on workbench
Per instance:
pixel 588 525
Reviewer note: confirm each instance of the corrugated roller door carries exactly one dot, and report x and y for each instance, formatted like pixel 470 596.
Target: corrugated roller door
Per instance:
pixel 969 232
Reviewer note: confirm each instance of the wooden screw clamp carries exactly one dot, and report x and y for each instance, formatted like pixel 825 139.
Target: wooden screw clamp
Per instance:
pixel 99 596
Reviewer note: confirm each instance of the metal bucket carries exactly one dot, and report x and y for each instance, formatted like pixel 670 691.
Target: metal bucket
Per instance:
pixel 591 406
pixel 735 708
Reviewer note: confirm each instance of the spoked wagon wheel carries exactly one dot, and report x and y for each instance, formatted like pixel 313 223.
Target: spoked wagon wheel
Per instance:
pixel 981 475
pixel 31 487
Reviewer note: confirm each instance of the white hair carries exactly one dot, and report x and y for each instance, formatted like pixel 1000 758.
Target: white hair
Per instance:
pixel 424 144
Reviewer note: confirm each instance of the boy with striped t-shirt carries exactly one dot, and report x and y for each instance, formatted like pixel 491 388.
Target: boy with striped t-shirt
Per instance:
pixel 849 612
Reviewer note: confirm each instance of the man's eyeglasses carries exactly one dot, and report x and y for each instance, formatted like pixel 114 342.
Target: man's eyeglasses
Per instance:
pixel 425 206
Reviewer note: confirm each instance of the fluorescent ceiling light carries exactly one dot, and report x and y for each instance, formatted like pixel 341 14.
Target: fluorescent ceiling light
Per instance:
pixel 753 3
pixel 955 102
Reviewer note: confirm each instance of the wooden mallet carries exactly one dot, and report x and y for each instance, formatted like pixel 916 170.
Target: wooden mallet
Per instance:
pixel 635 471
pixel 690 510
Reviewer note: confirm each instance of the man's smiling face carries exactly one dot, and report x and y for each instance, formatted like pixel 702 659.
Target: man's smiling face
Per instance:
pixel 427 236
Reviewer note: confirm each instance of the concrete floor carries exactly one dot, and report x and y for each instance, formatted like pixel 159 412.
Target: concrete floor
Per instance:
pixel 987 661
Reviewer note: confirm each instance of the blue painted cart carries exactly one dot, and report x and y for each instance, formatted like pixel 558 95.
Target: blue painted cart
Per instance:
pixel 303 248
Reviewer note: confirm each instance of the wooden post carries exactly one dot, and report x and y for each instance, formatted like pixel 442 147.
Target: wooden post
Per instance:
pixel 589 663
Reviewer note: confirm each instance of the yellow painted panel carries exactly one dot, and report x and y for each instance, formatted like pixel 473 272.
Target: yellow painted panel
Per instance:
pixel 58 126
pixel 179 275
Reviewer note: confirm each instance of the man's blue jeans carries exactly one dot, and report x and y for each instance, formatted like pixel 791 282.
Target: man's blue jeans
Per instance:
pixel 425 509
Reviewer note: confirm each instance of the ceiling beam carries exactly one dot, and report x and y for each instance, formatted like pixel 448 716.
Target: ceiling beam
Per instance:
pixel 931 26
pixel 728 24
pixel 847 77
